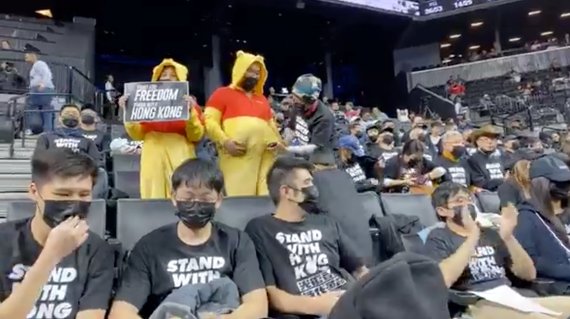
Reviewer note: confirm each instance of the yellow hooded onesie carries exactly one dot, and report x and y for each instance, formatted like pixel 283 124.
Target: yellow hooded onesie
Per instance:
pixel 166 144
pixel 233 115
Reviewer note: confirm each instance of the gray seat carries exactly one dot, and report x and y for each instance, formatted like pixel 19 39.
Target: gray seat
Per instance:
pixel 128 182
pixel 489 202
pixel 238 211
pixel 126 163
pixel 371 203
pixel 96 217
pixel 410 205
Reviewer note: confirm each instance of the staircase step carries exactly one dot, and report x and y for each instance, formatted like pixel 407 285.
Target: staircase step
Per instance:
pixel 14 182
pixel 15 166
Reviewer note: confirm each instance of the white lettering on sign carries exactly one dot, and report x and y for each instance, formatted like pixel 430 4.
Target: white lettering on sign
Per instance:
pixel 156 95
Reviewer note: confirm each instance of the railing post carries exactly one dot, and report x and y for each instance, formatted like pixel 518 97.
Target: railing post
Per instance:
pixel 69 84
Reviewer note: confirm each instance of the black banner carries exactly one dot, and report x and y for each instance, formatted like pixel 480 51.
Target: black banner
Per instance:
pixel 156 102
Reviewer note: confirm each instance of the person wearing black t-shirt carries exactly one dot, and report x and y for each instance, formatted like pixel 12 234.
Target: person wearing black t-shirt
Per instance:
pixel 381 143
pixel 452 158
pixel 360 167
pixel 79 281
pixel 194 250
pixel 474 258
pixel 90 131
pixel 486 164
pixel 302 255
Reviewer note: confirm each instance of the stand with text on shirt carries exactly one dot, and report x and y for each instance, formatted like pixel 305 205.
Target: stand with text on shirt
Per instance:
pixel 156 102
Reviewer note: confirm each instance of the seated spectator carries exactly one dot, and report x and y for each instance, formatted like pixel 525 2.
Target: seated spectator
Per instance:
pixel 411 171
pixel 356 164
pixel 511 148
pixel 70 136
pixel 390 126
pixel 486 164
pixel 541 230
pixel 453 159
pixel 65 271
pixel 435 136
pixel 417 122
pixel 102 140
pixel 474 258
pixel 378 114
pixel 193 251
pixel 381 146
pixel 516 188
pixel 301 255
pixel 420 134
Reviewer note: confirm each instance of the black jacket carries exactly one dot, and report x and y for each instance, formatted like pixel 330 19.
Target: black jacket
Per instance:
pixel 321 125
pixel 69 138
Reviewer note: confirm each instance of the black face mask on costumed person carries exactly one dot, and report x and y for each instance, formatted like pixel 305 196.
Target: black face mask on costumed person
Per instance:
pixel 249 83
pixel 195 215
pixel 57 211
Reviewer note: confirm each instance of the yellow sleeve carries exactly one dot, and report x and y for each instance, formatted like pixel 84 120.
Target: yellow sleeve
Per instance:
pixel 194 127
pixel 213 118
pixel 134 130
pixel 275 131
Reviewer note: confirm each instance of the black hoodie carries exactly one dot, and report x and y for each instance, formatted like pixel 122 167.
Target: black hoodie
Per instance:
pixel 69 138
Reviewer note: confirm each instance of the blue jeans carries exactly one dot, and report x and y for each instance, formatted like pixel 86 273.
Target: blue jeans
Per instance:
pixel 39 101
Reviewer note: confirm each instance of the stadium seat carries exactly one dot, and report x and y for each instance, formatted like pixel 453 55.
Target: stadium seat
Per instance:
pixel 128 182
pixel 411 205
pixel 95 219
pixel 489 202
pixel 339 198
pixel 371 203
pixel 137 217
pixel 238 211
pixel 126 163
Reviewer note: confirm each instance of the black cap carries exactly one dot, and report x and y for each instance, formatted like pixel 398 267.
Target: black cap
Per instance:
pixel 551 168
pixel 406 286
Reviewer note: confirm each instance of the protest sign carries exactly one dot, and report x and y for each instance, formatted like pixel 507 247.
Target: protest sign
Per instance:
pixel 156 102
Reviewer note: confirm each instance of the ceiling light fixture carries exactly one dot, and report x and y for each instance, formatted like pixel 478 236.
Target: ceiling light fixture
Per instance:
pixel 446 61
pixel 45 13
pixel 477 24
pixel 451 56
pixel 535 12
pixel 445 45
pixel 547 33
pixel 515 39
pixel 474 47
pixel 455 36
pixel 565 15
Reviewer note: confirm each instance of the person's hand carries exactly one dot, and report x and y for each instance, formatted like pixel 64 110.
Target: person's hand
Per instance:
pixel 469 224
pixel 509 219
pixel 123 101
pixel 66 237
pixel 276 147
pixel 326 302
pixel 410 181
pixel 476 189
pixel 190 100
pixel 234 148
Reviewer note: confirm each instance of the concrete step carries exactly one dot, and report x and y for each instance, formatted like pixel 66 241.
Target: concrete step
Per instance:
pixel 6 198
pixel 18 154
pixel 14 182
pixel 15 166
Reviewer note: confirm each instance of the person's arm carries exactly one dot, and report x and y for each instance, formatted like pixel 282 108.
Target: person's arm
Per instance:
pixel 135 286
pixel 215 108
pixel 194 127
pixel 96 295
pixel 287 303
pixel 248 278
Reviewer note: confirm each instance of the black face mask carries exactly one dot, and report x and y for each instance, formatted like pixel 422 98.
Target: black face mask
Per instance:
pixel 57 211
pixel 457 214
pixel 70 122
pixel 373 137
pixel 311 196
pixel 195 215
pixel 388 139
pixel 388 129
pixel 458 151
pixel 559 191
pixel 249 83
pixel 88 119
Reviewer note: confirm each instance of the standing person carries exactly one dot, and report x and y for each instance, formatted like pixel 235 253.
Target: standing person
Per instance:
pixel 110 96
pixel 41 93
pixel 166 144
pixel 314 127
pixel 239 120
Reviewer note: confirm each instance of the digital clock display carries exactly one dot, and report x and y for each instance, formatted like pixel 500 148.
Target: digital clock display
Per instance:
pixel 430 7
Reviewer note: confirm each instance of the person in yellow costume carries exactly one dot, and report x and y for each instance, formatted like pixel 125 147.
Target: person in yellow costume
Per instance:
pixel 239 120
pixel 166 144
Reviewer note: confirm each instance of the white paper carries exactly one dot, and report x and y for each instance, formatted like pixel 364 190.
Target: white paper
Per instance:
pixel 505 296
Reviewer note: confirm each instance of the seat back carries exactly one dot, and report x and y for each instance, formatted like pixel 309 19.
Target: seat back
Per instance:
pixel 128 182
pixel 418 205
pixel 371 203
pixel 339 198
pixel 413 243
pixel 137 217
pixel 126 163
pixel 238 211
pixel 489 202
pixel 96 217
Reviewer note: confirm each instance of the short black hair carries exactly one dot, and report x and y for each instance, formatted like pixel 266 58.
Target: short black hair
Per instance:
pixel 65 106
pixel 88 106
pixel 281 171
pixel 201 171
pixel 412 147
pixel 441 195
pixel 63 163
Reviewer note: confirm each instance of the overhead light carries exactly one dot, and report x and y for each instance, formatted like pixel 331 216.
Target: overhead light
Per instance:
pixel 455 36
pixel 547 33
pixel 474 47
pixel 565 15
pixel 535 12
pixel 45 13
pixel 445 45
pixel 477 24
pixel 451 56
pixel 515 39
pixel 446 61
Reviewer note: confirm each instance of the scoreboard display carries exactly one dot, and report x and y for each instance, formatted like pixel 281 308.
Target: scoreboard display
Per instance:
pixel 430 7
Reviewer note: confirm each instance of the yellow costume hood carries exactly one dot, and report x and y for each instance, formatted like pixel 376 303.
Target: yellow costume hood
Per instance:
pixel 181 70
pixel 243 61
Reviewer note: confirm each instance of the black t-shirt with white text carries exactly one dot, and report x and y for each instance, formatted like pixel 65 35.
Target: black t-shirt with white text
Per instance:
pixel 396 169
pixel 161 262
pixel 486 269
pixel 487 170
pixel 81 281
pixel 100 138
pixel 304 258
pixel 457 171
